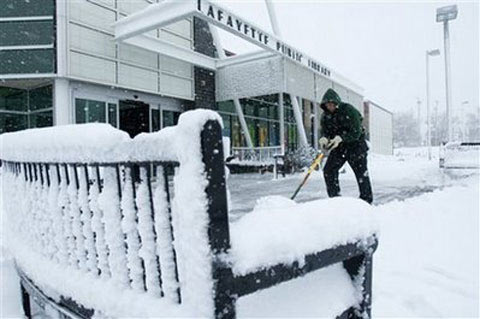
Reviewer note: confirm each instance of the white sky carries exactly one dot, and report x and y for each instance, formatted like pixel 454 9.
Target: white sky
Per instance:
pixel 380 45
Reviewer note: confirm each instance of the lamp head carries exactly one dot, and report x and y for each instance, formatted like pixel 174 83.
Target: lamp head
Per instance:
pixel 447 13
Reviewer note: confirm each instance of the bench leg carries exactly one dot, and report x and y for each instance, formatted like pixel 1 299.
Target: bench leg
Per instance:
pixel 224 297
pixel 348 314
pixel 26 302
pixel 360 270
pixel 218 228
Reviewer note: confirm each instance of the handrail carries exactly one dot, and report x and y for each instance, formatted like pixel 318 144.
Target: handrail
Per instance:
pixel 262 155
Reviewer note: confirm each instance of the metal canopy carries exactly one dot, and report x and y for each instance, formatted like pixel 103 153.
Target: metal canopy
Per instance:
pixel 132 30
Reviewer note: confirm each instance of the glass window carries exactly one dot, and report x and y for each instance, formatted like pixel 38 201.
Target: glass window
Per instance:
pixel 112 114
pixel 312 130
pixel 155 120
pixel 263 110
pixel 237 136
pixel 26 8
pixel 26 61
pixel 41 119
pixel 40 98
pixel 273 99
pixel 170 118
pixel 89 111
pixel 13 99
pixel 289 116
pixel 247 107
pixel 226 106
pixel 80 111
pixel 262 128
pixel 261 115
pixel 286 100
pixel 12 122
pixel 274 132
pixel 273 112
pixel 291 136
pixel 227 127
pixel 20 108
pixel 252 128
pixel 26 33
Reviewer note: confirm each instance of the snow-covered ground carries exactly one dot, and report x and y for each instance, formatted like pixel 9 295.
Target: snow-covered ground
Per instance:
pixel 427 263
pixel 408 173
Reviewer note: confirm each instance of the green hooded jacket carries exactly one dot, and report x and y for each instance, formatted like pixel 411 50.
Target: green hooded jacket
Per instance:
pixel 346 121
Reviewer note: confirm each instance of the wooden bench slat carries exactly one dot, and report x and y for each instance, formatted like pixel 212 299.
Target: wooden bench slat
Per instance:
pixel 269 277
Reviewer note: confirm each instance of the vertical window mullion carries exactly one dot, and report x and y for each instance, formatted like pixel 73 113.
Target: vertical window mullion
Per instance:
pixel 107 112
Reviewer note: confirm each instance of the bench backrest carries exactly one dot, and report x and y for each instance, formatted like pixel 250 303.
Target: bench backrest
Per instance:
pixel 148 215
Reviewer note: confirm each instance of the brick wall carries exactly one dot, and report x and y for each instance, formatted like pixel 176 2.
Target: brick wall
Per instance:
pixel 204 79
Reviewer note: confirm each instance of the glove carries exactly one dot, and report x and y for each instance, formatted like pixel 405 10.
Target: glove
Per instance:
pixel 334 142
pixel 323 142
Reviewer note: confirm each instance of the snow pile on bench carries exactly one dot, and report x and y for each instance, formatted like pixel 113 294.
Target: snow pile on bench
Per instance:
pixel 279 230
pixel 39 213
pixel 102 143
pixel 80 143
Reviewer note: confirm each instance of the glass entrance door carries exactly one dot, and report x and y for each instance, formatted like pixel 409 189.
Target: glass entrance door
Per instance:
pixel 134 117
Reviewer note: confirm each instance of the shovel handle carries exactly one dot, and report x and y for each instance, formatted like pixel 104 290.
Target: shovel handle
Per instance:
pixel 316 162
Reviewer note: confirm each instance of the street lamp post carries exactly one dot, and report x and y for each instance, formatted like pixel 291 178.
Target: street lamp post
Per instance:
pixel 435 125
pixel 429 138
pixel 445 14
pixel 464 112
pixel 419 122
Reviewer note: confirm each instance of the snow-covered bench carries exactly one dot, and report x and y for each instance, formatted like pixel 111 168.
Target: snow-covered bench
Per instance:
pixel 106 225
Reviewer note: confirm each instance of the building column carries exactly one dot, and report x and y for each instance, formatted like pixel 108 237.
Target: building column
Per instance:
pixel 298 118
pixel 61 38
pixel 316 120
pixel 204 79
pixel 281 110
pixel 61 102
pixel 307 118
pixel 61 96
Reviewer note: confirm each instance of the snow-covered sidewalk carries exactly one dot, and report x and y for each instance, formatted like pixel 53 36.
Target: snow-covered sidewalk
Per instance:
pixel 408 174
pixel 427 263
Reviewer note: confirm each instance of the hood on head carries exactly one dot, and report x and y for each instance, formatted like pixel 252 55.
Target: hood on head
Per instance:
pixel 330 96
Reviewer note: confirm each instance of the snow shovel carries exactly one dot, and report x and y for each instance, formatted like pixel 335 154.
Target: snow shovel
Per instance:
pixel 316 163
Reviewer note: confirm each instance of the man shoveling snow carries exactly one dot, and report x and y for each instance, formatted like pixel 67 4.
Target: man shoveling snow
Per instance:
pixel 344 135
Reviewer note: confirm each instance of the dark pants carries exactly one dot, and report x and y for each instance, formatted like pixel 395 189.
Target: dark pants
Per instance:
pixel 356 156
